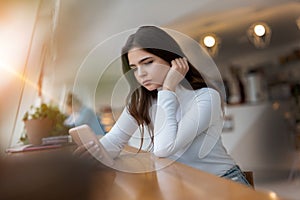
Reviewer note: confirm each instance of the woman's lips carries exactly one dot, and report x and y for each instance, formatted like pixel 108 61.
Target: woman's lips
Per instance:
pixel 147 82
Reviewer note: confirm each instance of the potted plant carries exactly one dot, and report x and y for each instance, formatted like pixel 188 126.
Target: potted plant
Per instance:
pixel 43 121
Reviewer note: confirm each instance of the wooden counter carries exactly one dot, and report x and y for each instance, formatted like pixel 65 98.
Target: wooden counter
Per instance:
pixel 175 181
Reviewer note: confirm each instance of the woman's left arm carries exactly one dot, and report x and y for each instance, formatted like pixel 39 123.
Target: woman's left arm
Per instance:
pixel 170 135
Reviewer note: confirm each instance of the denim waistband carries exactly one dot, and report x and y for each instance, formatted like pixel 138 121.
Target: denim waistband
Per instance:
pixel 237 175
pixel 231 170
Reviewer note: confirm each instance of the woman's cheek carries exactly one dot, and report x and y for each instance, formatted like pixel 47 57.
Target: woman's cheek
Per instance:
pixel 137 78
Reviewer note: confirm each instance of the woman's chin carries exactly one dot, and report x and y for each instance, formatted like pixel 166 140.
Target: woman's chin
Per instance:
pixel 152 87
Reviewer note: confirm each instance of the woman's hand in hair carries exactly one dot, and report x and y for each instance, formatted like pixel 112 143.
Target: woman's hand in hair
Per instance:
pixel 177 72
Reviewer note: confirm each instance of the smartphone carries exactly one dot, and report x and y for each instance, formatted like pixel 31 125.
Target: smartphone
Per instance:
pixel 83 134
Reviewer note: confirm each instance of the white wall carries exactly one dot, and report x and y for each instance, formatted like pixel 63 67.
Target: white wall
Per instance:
pixel 20 64
pixel 18 19
pixel 260 140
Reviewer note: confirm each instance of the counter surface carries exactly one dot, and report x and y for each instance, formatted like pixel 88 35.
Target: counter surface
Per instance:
pixel 174 181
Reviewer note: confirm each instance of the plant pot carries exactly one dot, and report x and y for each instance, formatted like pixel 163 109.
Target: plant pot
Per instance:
pixel 36 129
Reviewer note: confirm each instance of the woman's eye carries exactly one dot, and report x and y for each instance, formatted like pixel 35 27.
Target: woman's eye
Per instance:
pixel 149 62
pixel 133 68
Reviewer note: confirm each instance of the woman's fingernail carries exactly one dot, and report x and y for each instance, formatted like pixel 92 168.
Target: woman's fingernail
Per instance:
pixel 91 142
pixel 96 146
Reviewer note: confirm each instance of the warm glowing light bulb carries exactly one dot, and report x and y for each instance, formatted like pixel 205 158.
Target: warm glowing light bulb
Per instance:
pixel 209 41
pixel 273 195
pixel 259 30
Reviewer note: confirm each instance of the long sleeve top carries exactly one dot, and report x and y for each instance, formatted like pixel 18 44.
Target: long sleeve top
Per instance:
pixel 187 127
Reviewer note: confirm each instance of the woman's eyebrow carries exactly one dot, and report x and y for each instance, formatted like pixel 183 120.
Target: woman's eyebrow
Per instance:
pixel 141 61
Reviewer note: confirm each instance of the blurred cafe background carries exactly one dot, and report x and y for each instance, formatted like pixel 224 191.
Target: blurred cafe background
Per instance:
pixel 254 44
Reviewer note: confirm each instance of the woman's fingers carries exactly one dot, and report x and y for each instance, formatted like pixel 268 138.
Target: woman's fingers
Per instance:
pixel 88 151
pixel 83 148
pixel 94 152
pixel 179 68
pixel 180 65
pixel 79 150
pixel 185 64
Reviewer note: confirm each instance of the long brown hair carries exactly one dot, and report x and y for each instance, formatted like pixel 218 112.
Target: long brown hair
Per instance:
pixel 155 41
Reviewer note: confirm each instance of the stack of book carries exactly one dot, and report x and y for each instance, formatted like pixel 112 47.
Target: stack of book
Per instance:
pixel 63 139
pixel 47 143
pixel 31 147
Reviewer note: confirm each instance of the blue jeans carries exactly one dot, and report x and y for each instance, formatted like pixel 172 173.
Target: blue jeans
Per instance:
pixel 236 174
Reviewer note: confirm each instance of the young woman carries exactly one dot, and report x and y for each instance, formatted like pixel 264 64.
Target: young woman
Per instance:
pixel 80 114
pixel 170 98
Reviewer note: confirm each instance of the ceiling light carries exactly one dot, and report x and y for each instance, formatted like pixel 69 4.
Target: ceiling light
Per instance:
pixel 209 41
pixel 259 34
pixel 259 30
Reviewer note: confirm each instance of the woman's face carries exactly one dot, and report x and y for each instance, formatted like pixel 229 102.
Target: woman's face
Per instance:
pixel 149 69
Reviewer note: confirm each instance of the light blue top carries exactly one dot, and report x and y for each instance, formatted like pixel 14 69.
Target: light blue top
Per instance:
pixel 86 116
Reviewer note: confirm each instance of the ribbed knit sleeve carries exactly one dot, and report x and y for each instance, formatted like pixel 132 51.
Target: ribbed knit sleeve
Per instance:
pixel 173 134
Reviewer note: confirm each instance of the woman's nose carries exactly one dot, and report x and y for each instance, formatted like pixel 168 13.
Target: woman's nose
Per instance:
pixel 141 71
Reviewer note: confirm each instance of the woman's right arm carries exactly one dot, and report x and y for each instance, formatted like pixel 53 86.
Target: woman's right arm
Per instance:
pixel 115 140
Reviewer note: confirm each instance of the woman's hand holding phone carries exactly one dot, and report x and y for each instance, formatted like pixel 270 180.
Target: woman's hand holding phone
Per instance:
pixel 177 72
pixel 91 153
pixel 89 146
pixel 89 150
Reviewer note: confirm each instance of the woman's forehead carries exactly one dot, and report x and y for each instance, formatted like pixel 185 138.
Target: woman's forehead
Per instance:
pixel 138 54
